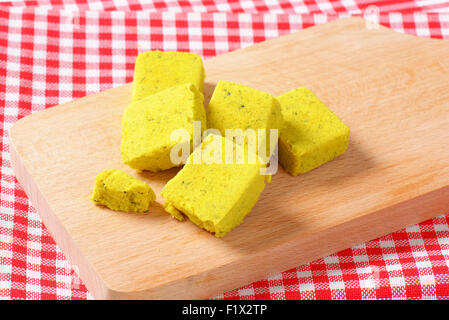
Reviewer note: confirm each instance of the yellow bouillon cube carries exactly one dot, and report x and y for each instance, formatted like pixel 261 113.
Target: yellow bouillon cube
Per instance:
pixel 215 196
pixel 148 124
pixel 156 71
pixel 120 191
pixel 312 135
pixel 236 106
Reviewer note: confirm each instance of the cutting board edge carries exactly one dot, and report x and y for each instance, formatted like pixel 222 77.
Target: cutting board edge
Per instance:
pixel 343 22
pixel 68 246
pixel 423 207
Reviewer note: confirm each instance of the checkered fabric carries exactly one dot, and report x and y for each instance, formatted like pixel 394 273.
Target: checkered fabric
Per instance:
pixel 54 51
pixel 239 6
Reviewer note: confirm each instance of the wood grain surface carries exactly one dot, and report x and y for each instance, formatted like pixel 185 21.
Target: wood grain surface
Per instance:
pixel 390 89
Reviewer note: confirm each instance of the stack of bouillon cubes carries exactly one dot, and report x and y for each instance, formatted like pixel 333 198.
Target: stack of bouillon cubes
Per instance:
pixel 222 178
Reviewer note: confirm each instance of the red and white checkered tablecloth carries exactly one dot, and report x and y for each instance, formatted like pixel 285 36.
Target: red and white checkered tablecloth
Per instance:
pixel 54 51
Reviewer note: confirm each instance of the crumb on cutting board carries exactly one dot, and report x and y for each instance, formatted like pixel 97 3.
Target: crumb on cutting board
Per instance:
pixel 120 191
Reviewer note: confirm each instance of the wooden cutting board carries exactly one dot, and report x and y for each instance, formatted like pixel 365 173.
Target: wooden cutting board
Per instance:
pixel 390 89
